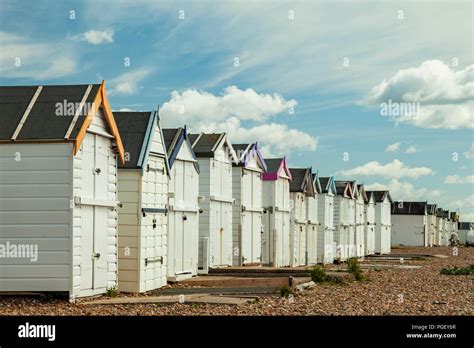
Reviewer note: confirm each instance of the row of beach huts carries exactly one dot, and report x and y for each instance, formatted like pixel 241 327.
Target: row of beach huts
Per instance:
pixel 112 198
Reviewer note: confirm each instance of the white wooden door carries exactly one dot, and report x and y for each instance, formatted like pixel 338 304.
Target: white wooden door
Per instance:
pixel 95 218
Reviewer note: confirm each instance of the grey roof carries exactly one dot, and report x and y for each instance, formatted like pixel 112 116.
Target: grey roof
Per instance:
pixel 379 196
pixel 324 183
pixel 298 175
pixel 465 225
pixel 192 137
pixel 205 146
pixel 273 164
pixel 132 127
pixel 169 136
pixel 341 187
pixel 42 122
pixel 409 208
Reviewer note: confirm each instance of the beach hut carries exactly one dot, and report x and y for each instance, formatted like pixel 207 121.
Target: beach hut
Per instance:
pixel 410 224
pixel 431 224
pixel 313 222
pixel 341 219
pixel 183 205
pixel 247 210
pixel 439 230
pixel 143 196
pixel 215 156
pixel 58 154
pixel 360 218
pixel 383 224
pixel 276 213
pixel 446 228
pixel 369 214
pixel 352 220
pixel 301 188
pixel 465 232
pixel 454 219
pixel 325 243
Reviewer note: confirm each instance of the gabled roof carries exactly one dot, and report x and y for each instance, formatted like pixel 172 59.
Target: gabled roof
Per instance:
pixel 302 181
pixel 431 209
pixel 206 144
pixel 245 152
pixel 317 183
pixel 174 139
pixel 369 195
pixel 354 191
pixel 361 192
pixel 344 188
pixel 409 208
pixel 445 214
pixel 327 184
pixel 60 113
pixel 454 216
pixel 274 168
pixel 465 225
pixel 439 212
pixel 380 196
pixel 137 129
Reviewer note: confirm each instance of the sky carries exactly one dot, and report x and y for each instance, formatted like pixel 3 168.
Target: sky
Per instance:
pixel 381 92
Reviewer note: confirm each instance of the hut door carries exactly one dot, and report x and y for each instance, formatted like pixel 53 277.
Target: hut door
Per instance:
pixel 94 217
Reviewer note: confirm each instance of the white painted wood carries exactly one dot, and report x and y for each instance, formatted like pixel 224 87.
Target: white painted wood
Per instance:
pixel 183 226
pixel 370 227
pixel 325 247
pixel 383 227
pixel 409 230
pixel 276 222
pixel 360 226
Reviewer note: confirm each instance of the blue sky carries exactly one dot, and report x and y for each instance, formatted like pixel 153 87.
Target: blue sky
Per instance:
pixel 308 83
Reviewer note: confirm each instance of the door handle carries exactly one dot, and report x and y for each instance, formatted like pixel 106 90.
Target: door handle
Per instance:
pixel 96 255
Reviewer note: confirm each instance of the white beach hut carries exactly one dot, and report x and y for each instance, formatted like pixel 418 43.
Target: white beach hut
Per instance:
pixel 342 217
pixel 360 222
pixel 58 189
pixel 410 224
pixel 248 210
pixel 383 224
pixel 431 224
pixel 215 156
pixel 183 207
pixel 276 214
pixel 326 245
pixel 301 188
pixel 313 222
pixel 369 236
pixel 143 196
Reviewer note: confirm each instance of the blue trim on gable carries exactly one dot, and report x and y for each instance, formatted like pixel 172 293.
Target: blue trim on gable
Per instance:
pixel 176 148
pixel 145 151
pixel 333 184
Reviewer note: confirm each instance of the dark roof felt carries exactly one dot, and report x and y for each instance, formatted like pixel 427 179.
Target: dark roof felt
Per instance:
pixel 273 164
pixel 324 183
pixel 42 122
pixel 192 137
pixel 298 175
pixel 409 208
pixel 206 144
pixel 132 127
pixel 378 195
pixel 341 187
pixel 169 135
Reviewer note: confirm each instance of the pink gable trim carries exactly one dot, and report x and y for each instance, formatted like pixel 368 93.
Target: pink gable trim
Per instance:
pixel 274 176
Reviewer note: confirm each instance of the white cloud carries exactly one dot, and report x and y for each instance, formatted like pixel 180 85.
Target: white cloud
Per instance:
pixel 463 203
pixel 394 170
pixel 128 83
pixel 445 96
pixel 25 58
pixel 243 114
pixel 470 153
pixel 411 149
pixel 393 147
pixel 456 179
pixel 95 37
pixel 243 104
pixel 400 190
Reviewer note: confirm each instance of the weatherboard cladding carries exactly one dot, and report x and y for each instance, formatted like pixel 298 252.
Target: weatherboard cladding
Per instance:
pixel 42 122
pixel 133 128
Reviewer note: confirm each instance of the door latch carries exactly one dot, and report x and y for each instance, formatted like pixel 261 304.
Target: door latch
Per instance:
pixel 96 255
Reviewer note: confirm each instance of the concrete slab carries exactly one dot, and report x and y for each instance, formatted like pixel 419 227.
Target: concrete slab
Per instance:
pixel 193 298
pixel 224 281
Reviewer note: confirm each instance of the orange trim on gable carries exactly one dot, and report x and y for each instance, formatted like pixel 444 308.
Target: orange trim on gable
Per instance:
pixel 101 99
